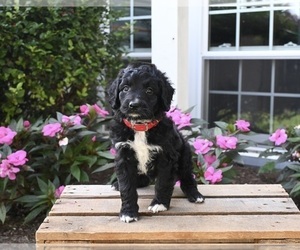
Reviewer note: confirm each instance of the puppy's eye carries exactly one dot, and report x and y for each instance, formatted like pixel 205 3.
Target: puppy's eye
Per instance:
pixel 125 88
pixel 149 91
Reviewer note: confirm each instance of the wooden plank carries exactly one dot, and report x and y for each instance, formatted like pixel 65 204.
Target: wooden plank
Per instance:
pixel 104 207
pixel 203 246
pixel 167 229
pixel 209 191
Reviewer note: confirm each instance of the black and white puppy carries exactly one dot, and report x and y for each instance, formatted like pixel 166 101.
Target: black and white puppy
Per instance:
pixel 148 144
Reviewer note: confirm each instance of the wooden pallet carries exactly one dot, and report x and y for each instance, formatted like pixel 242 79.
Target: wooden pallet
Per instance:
pixel 230 214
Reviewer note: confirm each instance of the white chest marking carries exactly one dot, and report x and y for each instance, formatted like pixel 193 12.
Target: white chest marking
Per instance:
pixel 144 151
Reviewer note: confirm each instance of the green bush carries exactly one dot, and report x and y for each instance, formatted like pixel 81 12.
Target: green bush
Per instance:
pixel 55 59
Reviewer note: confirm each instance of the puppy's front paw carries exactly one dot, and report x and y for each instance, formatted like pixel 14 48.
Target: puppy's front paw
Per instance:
pixel 127 219
pixel 196 198
pixel 157 208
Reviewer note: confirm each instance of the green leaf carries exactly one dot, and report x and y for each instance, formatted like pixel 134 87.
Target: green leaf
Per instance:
pixel 295 175
pixel 294 166
pixel 104 167
pixel 34 213
pixel 296 190
pixel 28 199
pixel 42 185
pixel 217 131
pixel 269 167
pixel 75 170
pixel 222 125
pixel 106 155
pixel 2 212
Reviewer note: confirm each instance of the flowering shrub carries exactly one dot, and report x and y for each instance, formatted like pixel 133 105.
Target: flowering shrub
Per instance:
pixel 37 160
pixel 216 149
pixel 286 144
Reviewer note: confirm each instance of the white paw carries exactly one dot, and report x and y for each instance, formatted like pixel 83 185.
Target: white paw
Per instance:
pixel 199 200
pixel 157 208
pixel 128 219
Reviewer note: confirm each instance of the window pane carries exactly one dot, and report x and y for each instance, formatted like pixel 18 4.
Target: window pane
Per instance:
pixel 142 34
pixel 222 30
pixel 223 75
pixel 142 8
pixel 222 107
pixel 286 112
pixel 115 26
pixel 287 76
pixel 256 109
pixel 256 75
pixel 286 28
pixel 121 5
pixel 254 29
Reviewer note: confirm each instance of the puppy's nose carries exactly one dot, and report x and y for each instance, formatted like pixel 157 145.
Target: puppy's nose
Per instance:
pixel 134 104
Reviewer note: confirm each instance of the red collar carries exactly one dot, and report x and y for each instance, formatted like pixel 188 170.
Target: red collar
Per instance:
pixel 140 126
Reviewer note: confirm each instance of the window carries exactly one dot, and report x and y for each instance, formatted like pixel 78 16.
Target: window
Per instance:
pixel 263 24
pixel 265 92
pixel 136 14
pixel 252 66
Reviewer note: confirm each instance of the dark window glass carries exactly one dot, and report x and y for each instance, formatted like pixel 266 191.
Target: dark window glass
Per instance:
pixel 286 112
pixel 254 29
pixel 256 75
pixel 223 75
pixel 142 33
pixel 142 7
pixel 256 109
pixel 222 107
pixel 287 76
pixel 222 30
pixel 286 28
pixel 115 26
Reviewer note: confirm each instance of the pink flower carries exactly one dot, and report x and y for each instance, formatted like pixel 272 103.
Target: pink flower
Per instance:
pixel 72 120
pixel 202 146
pixel 180 119
pixel 212 175
pixel 6 135
pixel 51 129
pixel 18 158
pixel 94 138
pixel 209 159
pixel 242 125
pixel 113 151
pixel 84 109
pixel 26 124
pixel 8 170
pixel 100 111
pixel 59 191
pixel 279 137
pixel 226 142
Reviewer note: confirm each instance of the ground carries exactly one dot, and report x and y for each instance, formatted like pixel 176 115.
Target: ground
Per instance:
pixel 13 231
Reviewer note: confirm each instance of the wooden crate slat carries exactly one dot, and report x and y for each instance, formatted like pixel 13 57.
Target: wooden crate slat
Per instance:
pixel 243 190
pixel 88 207
pixel 164 229
pixel 164 246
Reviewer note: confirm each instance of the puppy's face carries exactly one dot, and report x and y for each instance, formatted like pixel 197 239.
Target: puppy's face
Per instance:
pixel 138 95
pixel 141 92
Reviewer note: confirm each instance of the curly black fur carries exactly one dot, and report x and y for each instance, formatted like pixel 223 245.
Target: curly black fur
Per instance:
pixel 143 93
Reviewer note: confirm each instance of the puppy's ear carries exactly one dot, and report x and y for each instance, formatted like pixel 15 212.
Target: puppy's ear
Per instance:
pixel 167 92
pixel 113 91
